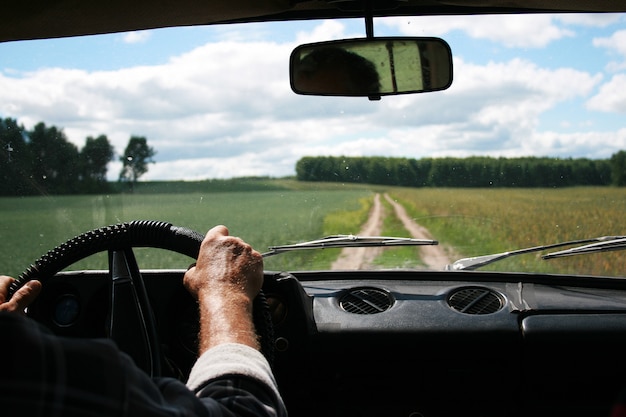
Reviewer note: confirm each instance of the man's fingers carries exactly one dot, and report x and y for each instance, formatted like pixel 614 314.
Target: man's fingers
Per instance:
pixel 5 282
pixel 26 295
pixel 217 231
pixel 34 287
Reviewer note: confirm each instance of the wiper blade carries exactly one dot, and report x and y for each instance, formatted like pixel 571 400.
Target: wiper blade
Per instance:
pixel 347 241
pixel 476 262
pixel 608 243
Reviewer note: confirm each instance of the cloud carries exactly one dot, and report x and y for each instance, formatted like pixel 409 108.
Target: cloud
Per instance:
pixel 225 109
pixel 508 30
pixel 327 30
pixel 203 168
pixel 616 46
pixel 598 20
pixel 136 36
pixel 591 144
pixel 611 97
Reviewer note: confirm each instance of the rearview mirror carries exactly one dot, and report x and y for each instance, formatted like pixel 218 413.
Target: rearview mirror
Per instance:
pixel 371 67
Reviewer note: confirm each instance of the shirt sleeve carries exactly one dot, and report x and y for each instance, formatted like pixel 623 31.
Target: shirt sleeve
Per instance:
pixel 44 374
pixel 239 376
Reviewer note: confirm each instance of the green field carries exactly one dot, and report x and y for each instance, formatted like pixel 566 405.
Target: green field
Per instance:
pixel 269 212
pixel 482 221
pixel 31 226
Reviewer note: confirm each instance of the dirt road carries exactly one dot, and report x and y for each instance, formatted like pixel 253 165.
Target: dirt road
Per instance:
pixel 361 258
pixel 434 257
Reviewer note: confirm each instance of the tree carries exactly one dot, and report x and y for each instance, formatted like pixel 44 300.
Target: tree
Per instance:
pixel 55 160
pixel 14 159
pixel 135 159
pixel 618 168
pixel 94 158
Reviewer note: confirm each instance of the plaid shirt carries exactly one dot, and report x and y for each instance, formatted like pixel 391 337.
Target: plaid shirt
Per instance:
pixel 46 375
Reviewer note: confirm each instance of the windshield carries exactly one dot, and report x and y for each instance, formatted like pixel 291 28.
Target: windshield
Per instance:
pixel 198 126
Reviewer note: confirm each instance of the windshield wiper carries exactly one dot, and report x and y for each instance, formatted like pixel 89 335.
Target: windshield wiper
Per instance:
pixel 347 241
pixel 608 243
pixel 478 261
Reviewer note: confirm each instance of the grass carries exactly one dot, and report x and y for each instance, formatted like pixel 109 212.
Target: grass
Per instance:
pixel 345 221
pixel 401 256
pixel 268 212
pixel 31 226
pixel 482 221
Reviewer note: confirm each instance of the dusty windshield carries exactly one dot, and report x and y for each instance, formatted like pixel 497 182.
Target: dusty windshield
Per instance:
pixel 199 126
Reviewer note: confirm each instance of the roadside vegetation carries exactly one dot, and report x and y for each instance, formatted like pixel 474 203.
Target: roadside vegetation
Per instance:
pixel 483 221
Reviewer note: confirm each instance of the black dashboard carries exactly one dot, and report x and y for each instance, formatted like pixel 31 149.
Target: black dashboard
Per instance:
pixel 401 343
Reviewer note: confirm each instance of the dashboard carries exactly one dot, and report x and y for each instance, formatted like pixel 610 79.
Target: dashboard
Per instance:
pixel 400 343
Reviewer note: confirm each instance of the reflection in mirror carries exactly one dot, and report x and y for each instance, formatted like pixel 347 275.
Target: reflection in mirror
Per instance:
pixel 371 67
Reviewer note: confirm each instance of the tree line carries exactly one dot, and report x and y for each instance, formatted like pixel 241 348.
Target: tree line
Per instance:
pixel 465 172
pixel 44 161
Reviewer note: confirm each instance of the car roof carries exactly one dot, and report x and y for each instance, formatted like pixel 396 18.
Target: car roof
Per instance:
pixel 36 19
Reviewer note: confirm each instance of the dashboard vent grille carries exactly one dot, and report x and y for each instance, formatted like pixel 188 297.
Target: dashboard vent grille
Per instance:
pixel 475 300
pixel 366 301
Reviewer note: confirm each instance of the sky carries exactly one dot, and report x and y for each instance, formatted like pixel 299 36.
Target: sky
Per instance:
pixel 215 102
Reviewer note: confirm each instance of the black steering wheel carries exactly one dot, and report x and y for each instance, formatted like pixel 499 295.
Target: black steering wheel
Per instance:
pixel 131 320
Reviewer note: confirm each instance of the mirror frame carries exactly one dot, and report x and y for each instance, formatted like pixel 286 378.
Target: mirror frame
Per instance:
pixel 355 43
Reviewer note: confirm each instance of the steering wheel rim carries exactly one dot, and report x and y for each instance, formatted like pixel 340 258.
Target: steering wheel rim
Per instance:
pixel 122 237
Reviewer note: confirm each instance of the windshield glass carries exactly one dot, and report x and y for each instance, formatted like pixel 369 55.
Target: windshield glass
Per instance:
pixel 198 126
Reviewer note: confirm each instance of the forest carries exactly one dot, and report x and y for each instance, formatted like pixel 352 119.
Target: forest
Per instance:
pixel 475 171
pixel 43 161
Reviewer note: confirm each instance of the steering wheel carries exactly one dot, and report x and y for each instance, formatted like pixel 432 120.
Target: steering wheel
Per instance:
pixel 131 320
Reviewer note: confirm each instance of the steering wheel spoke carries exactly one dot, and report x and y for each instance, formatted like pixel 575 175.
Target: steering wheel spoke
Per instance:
pixel 131 321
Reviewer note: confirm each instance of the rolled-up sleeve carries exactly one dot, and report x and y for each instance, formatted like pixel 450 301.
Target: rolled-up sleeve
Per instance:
pixel 239 379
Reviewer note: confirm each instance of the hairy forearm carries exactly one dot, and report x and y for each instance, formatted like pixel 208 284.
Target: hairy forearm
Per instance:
pixel 226 318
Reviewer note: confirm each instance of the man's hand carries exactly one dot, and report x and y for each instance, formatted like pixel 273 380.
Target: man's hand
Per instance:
pixel 225 263
pixel 225 280
pixel 22 297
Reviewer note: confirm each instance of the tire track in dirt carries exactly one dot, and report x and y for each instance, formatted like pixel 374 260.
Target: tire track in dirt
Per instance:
pixel 434 256
pixel 362 258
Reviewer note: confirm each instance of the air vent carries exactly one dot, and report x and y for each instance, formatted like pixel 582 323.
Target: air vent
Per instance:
pixel 366 301
pixel 475 300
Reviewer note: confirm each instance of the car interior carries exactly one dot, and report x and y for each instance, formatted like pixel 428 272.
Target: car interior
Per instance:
pixel 391 342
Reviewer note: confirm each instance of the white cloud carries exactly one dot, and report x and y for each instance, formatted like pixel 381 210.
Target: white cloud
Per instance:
pixel 593 144
pixel 203 168
pixel 328 30
pixel 591 19
pixel 225 109
pixel 136 36
pixel 509 30
pixel 616 46
pixel 611 97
